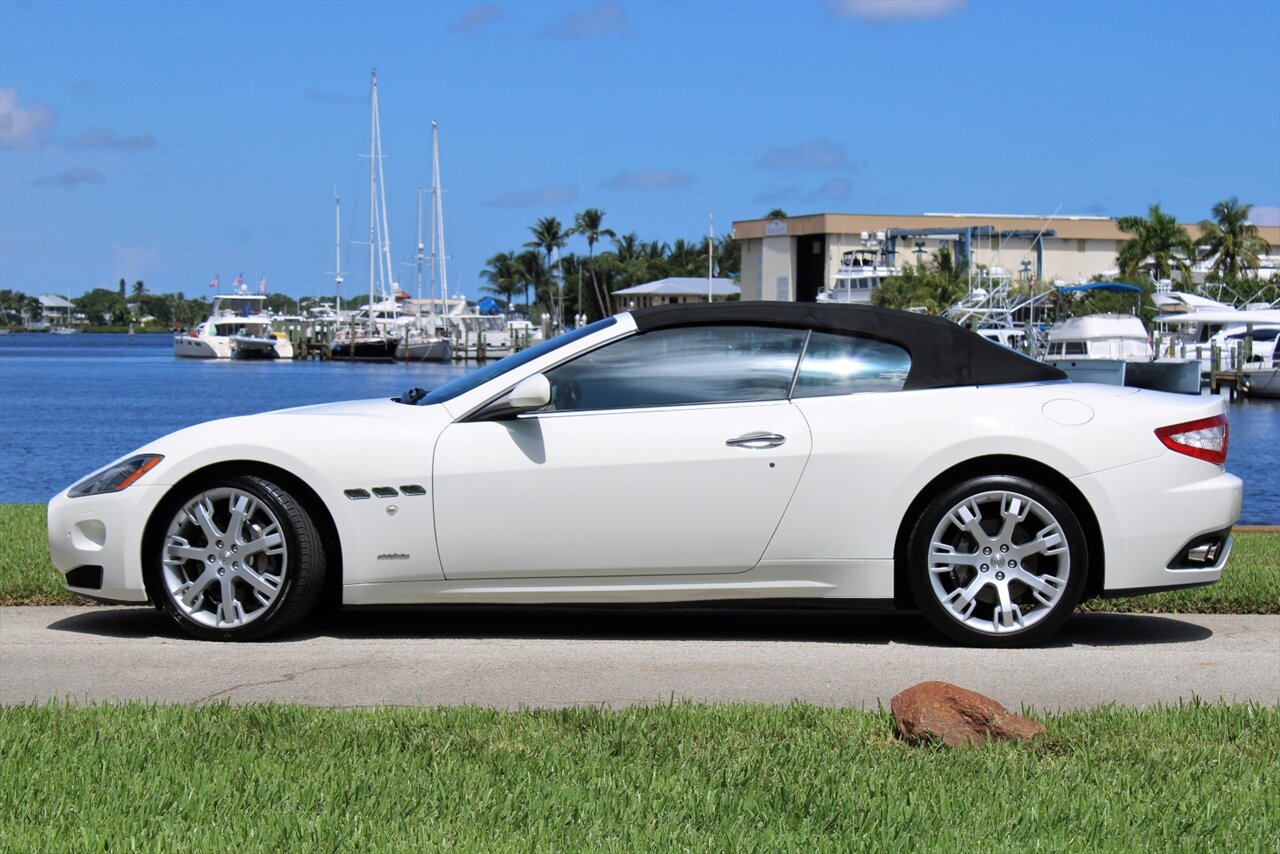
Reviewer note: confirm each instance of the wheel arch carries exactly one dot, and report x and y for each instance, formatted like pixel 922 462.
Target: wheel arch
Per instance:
pixel 998 465
pixel 330 595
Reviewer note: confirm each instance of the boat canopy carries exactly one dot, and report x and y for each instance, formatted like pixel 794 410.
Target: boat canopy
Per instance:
pixel 1110 287
pixel 488 305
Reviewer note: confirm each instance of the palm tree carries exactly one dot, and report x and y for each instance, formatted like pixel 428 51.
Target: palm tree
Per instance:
pixel 549 236
pixel 529 271
pixel 1231 240
pixel 776 213
pixel 587 224
pixel 1158 242
pixel 630 258
pixel 503 277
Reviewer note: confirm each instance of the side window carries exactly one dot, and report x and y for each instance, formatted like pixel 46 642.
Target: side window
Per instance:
pixel 671 367
pixel 848 364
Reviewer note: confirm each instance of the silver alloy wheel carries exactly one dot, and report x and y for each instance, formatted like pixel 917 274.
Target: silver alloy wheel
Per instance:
pixel 999 562
pixel 224 558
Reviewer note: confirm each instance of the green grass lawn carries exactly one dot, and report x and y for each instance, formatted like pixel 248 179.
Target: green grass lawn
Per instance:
pixel 1251 584
pixel 684 777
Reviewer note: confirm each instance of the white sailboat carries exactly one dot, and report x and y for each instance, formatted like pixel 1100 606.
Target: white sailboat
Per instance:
pixel 423 340
pixel 364 338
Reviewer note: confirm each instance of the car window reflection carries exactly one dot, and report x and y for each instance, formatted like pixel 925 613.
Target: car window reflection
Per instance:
pixel 681 366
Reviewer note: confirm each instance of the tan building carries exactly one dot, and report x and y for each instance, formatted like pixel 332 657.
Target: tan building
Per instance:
pixel 792 258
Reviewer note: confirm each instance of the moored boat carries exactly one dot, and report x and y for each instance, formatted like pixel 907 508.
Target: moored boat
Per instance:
pixel 238 325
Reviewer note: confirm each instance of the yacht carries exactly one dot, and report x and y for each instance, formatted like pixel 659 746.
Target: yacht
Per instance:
pixel 860 272
pixel 1116 349
pixel 239 326
pixel 1264 378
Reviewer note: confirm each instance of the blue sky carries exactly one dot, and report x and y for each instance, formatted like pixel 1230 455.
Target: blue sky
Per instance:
pixel 174 141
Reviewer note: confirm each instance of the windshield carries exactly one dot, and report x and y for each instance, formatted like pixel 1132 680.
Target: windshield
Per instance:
pixel 479 377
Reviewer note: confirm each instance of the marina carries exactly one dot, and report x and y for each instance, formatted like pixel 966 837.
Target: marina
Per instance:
pixel 69 402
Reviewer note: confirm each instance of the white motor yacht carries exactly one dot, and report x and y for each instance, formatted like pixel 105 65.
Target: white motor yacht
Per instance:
pixel 238 327
pixel 1116 349
pixel 861 271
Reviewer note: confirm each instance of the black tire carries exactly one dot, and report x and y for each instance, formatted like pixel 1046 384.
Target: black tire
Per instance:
pixel 985 577
pixel 241 535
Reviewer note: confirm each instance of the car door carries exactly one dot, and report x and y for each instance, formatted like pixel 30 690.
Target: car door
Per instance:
pixel 671 452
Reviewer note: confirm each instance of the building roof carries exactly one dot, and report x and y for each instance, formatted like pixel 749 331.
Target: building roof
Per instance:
pixel 53 301
pixel 683 287
pixel 1064 227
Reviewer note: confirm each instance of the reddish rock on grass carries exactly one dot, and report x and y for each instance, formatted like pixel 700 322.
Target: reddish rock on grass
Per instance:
pixel 957 717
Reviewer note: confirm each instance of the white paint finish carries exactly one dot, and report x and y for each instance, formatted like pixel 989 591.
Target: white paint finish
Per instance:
pixel 615 493
pixel 655 505
pixel 1067 412
pixel 808 579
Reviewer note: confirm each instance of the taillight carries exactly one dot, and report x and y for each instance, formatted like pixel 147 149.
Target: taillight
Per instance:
pixel 1205 439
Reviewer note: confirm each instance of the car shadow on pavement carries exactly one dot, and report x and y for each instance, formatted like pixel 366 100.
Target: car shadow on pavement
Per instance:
pixel 808 625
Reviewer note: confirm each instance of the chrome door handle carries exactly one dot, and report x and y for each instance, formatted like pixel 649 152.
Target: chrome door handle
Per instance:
pixel 757 440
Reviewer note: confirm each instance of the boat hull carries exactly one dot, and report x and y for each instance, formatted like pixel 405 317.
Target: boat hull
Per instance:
pixel 192 347
pixel 364 350
pixel 1263 383
pixel 438 350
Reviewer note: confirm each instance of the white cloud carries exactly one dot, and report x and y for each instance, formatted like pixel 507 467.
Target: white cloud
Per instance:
pixel 548 195
pixel 833 191
pixel 649 179
pixel 1264 215
pixel 599 21
pixel 774 195
pixel 23 127
pixel 812 156
pixel 71 178
pixel 894 10
pixel 476 17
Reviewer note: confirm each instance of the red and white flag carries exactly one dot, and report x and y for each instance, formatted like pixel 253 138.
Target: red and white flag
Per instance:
pixel 214 283
pixel 262 285
pixel 239 281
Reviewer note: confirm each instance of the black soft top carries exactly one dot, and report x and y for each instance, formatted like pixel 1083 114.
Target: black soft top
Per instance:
pixel 942 354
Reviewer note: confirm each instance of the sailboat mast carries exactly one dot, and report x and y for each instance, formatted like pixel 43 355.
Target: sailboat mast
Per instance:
pixel 438 238
pixel 388 280
pixel 435 190
pixel 420 247
pixel 373 173
pixel 337 245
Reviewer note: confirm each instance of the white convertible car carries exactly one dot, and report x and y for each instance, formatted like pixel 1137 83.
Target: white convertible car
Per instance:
pixel 742 451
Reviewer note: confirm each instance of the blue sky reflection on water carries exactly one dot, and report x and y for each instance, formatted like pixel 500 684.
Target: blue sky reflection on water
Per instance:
pixel 70 404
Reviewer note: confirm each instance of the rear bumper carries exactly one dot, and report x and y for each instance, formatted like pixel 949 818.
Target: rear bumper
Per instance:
pixel 1151 513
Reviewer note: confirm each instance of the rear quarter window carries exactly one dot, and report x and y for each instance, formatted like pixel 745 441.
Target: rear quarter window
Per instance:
pixel 850 364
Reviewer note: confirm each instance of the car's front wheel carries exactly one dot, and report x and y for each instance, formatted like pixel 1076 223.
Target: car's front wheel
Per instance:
pixel 240 558
pixel 997 561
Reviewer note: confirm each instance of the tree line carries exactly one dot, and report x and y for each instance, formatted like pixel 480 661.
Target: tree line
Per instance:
pixel 1159 248
pixel 540 274
pixel 118 308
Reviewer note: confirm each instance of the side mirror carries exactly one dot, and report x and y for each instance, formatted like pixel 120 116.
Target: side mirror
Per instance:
pixel 530 393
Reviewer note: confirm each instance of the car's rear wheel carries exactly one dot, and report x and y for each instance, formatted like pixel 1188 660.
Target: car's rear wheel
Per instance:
pixel 239 559
pixel 997 561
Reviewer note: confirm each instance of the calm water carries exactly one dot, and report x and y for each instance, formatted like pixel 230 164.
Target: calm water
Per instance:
pixel 72 403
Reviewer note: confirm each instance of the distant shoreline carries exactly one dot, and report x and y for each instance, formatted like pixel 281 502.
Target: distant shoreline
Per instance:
pixel 113 330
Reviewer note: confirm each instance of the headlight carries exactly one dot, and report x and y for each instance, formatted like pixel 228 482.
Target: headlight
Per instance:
pixel 115 477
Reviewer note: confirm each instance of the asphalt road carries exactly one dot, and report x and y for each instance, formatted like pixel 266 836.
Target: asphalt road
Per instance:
pixel 511 657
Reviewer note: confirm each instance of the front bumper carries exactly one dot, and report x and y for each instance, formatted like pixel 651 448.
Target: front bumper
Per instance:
pixel 102 531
